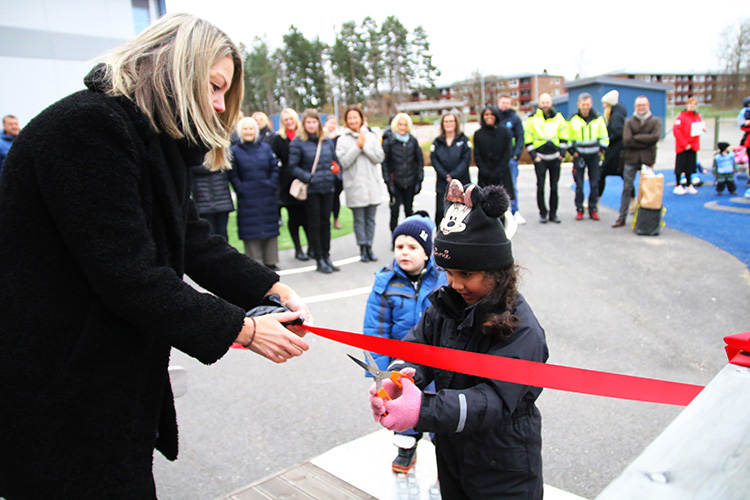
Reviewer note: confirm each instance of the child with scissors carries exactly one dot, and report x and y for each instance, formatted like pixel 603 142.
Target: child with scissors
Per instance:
pixel 487 432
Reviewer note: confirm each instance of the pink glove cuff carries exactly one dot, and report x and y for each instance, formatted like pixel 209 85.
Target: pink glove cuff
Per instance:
pixel 403 412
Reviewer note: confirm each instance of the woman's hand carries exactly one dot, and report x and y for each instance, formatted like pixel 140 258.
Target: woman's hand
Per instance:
pixel 361 140
pixel 293 302
pixel 269 338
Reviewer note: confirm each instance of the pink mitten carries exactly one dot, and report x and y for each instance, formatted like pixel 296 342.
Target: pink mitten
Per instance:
pixel 376 404
pixel 390 386
pixel 403 412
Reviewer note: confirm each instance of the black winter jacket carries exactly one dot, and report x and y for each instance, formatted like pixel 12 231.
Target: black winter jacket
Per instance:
pixel 210 191
pixel 301 159
pixel 255 178
pixel 403 166
pixel 510 120
pixel 280 147
pixel 494 426
pixel 453 160
pixel 612 164
pixel 97 231
pixel 492 152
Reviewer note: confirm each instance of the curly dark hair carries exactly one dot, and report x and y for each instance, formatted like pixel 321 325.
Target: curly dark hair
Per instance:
pixel 503 297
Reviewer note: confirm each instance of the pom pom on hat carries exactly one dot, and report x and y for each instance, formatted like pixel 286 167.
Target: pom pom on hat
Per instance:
pixel 471 235
pixel 612 98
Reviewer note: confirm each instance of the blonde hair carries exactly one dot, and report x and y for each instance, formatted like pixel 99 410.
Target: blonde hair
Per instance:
pixel 165 71
pixel 311 113
pixel 293 114
pixel 253 123
pixel 398 118
pixel 262 119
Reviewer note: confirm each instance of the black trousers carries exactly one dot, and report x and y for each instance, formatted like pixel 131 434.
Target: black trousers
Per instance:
pixel 541 168
pixel 580 164
pixel 338 188
pixel 297 218
pixel 684 163
pixel 401 196
pixel 319 208
pixel 218 222
pixel 439 206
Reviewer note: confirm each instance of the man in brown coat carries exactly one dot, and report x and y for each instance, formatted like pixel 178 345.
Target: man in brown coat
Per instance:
pixel 641 133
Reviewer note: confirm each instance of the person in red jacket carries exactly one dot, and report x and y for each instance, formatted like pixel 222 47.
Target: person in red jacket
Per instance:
pixel 687 146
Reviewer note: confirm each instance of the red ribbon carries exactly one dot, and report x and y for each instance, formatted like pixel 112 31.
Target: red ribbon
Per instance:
pixel 738 348
pixel 522 372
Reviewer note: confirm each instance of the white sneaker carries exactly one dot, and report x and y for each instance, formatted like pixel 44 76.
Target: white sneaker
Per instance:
pixel 519 218
pixel 681 190
pixel 692 189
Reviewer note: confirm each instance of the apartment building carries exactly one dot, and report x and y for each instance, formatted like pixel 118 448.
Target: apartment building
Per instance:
pixel 703 86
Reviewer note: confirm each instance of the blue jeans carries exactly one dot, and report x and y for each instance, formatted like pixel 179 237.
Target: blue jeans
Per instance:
pixel 514 173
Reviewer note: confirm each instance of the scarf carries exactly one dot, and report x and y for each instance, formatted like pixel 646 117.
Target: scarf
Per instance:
pixel 403 138
pixel 643 117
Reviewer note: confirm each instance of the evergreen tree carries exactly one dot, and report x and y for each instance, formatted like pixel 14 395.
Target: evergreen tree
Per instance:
pixel 261 75
pixel 374 64
pixel 398 69
pixel 348 58
pixel 425 73
pixel 304 79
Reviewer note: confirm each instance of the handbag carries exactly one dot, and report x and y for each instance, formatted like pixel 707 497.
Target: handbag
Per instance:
pixel 298 189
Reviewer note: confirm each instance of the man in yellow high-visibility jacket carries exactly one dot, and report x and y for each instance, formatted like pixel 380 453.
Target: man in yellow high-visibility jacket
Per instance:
pixel 588 140
pixel 546 138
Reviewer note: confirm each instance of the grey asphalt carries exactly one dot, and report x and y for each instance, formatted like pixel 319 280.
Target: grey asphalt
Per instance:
pixel 608 299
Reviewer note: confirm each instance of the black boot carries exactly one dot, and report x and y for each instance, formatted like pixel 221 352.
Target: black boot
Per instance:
pixel 330 263
pixel 405 460
pixel 363 255
pixel 300 255
pixel 323 266
pixel 371 255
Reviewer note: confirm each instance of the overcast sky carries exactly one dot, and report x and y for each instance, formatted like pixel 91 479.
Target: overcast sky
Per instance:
pixel 578 37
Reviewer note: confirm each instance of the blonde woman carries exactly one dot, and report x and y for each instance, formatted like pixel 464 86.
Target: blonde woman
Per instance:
pixel 265 126
pixel 96 198
pixel 303 152
pixel 296 214
pixel 403 166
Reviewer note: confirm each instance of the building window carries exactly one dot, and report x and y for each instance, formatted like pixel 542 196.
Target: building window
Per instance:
pixel 514 94
pixel 513 83
pixel 145 12
pixel 557 81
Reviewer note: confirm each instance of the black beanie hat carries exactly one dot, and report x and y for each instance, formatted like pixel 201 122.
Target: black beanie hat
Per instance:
pixel 471 235
pixel 723 146
pixel 418 227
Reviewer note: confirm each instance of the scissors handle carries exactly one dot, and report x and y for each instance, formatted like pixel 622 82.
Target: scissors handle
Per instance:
pixel 395 376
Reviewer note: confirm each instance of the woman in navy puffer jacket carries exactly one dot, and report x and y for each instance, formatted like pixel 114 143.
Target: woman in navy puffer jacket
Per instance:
pixel 319 203
pixel 255 178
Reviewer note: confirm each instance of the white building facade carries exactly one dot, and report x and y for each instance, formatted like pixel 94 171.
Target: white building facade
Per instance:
pixel 48 46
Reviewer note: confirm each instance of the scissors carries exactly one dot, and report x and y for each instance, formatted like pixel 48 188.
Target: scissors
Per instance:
pixel 380 375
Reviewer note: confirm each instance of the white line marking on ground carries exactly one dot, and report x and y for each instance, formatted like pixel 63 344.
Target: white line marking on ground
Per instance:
pixel 307 269
pixel 337 295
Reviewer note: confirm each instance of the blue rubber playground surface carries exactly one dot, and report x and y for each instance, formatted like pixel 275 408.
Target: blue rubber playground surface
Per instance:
pixel 721 219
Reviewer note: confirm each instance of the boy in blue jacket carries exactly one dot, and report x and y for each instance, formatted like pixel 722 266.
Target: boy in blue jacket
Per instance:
pixel 397 301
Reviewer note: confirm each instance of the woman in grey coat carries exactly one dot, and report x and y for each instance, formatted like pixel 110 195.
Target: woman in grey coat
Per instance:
pixel 360 153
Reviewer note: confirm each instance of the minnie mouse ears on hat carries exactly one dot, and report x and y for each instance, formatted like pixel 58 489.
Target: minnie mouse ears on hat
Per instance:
pixel 472 235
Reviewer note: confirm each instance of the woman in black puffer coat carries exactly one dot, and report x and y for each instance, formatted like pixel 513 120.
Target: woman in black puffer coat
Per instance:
pixel 403 167
pixel 492 151
pixel 210 191
pixel 255 178
pixel 319 203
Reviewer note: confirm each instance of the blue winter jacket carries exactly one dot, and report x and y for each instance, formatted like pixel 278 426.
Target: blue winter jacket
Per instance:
pixel 394 306
pixel 301 159
pixel 255 178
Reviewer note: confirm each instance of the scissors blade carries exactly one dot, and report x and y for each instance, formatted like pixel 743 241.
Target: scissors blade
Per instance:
pixel 372 369
pixel 372 363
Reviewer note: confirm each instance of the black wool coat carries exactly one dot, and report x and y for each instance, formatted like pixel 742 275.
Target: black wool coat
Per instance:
pixel 96 232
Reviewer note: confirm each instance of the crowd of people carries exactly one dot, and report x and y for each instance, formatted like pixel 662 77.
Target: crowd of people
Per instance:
pixel 96 193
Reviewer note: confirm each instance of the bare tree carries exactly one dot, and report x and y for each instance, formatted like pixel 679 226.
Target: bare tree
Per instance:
pixel 734 54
